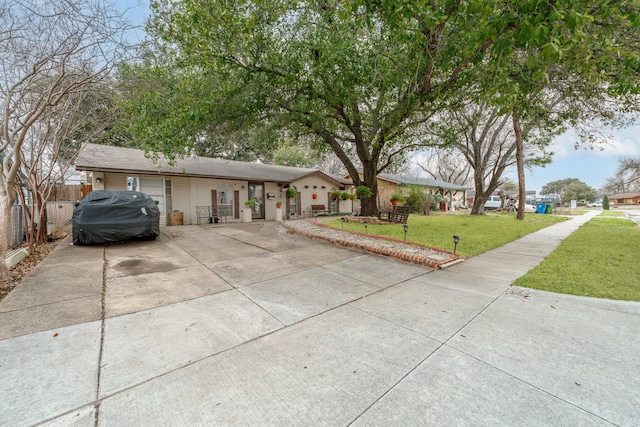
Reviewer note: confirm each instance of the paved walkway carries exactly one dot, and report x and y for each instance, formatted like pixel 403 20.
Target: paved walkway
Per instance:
pixel 252 325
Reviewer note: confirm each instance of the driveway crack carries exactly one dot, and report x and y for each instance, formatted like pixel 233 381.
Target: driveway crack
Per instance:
pixel 103 312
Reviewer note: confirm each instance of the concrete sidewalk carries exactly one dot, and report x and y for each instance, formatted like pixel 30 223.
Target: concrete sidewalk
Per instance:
pixel 250 325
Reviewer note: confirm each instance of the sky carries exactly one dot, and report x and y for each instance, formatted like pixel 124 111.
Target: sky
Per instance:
pixel 591 166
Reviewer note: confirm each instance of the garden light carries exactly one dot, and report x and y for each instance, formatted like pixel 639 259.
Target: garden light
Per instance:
pixel 406 228
pixel 456 239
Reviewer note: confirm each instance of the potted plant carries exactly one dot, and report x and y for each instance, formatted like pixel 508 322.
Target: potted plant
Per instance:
pixel 362 191
pixel 279 204
pixel 335 194
pixel 250 203
pixel 291 193
pixel 395 198
pixel 344 195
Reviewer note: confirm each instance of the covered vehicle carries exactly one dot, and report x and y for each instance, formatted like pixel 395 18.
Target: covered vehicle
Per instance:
pixel 115 216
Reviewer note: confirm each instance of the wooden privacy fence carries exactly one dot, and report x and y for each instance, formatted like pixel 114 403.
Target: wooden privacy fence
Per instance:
pixel 66 192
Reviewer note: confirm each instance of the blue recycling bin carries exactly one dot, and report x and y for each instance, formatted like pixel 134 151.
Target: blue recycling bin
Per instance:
pixel 541 207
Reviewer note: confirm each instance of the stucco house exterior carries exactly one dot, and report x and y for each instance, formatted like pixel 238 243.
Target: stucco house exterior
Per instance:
pixel 221 185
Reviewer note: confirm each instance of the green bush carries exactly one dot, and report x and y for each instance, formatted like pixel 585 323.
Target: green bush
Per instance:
pixel 434 201
pixel 415 198
pixel 605 203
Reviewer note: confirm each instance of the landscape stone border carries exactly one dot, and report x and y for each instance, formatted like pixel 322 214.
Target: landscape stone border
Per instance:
pixel 414 253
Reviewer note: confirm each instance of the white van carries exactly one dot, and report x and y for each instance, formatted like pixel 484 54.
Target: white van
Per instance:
pixel 493 203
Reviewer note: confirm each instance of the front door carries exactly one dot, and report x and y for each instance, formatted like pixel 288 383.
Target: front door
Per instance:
pixel 256 192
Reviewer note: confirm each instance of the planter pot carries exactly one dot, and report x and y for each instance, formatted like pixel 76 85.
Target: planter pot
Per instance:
pixel 394 202
pixel 279 214
pixel 246 214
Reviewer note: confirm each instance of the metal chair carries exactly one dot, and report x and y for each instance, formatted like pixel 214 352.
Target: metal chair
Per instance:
pixel 203 212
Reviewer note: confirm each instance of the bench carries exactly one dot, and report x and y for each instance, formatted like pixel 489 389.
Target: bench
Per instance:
pixel 399 215
pixel 316 209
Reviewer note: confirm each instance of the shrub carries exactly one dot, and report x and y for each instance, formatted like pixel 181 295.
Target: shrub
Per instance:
pixel 416 198
pixel 434 201
pixel 605 203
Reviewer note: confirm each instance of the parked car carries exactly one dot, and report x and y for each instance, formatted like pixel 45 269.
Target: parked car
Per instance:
pixel 115 216
pixel 549 201
pixel 528 207
pixel 595 205
pixel 492 203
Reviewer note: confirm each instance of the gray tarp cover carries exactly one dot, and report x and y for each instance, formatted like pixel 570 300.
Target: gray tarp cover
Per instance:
pixel 115 216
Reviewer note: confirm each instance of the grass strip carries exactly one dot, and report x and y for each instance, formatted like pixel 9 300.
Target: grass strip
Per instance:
pixel 611 213
pixel 600 260
pixel 478 234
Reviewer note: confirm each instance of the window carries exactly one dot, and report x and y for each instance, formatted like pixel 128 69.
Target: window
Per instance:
pixel 168 195
pixel 132 183
pixel 225 200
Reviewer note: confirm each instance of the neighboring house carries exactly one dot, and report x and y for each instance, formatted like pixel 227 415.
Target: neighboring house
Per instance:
pixel 222 185
pixel 625 198
pixel 454 195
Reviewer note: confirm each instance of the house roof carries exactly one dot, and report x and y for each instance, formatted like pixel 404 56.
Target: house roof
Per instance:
pixel 625 196
pixel 425 182
pixel 106 158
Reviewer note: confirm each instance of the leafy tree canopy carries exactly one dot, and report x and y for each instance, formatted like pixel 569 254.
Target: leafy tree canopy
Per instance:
pixel 362 77
pixel 569 189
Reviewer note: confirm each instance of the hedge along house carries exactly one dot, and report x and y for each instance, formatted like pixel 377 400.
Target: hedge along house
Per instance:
pixel 222 186
pixel 454 195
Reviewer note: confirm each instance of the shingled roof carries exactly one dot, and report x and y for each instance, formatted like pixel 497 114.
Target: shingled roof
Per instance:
pixel 425 182
pixel 105 158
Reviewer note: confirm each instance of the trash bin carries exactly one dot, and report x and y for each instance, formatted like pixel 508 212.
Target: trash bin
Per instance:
pixel 548 209
pixel 540 208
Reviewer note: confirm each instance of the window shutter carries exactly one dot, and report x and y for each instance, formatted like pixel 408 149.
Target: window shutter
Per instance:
pixel 236 204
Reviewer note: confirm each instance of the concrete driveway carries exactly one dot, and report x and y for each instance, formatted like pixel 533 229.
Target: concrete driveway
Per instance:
pixel 250 325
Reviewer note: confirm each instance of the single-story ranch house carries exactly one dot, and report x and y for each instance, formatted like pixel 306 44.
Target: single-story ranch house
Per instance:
pixel 201 188
pixel 625 198
pixel 454 195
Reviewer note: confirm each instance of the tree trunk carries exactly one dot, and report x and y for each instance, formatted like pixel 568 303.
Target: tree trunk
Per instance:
pixel 369 205
pixel 5 220
pixel 520 165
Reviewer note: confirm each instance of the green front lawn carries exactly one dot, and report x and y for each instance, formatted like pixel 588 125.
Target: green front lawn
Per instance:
pixel 611 213
pixel 600 259
pixel 478 234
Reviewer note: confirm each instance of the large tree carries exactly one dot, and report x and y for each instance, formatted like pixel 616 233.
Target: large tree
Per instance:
pixel 358 81
pixel 361 77
pixel 49 50
pixel 485 139
pixel 568 189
